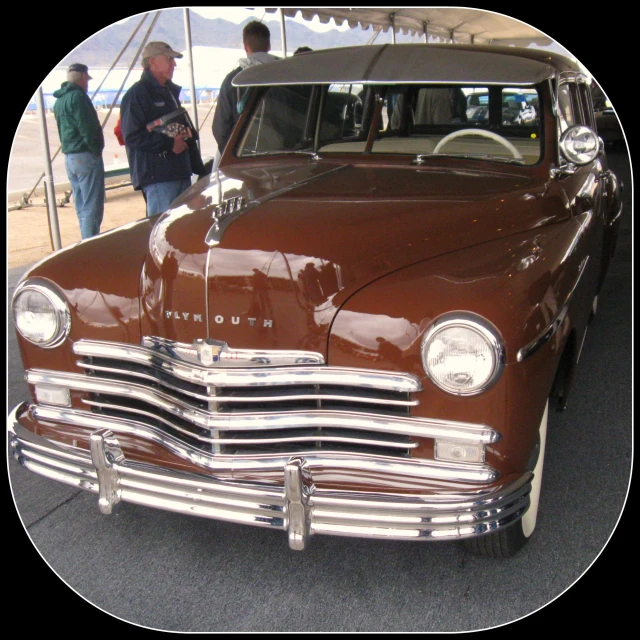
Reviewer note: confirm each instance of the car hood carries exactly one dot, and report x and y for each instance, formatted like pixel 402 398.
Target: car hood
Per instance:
pixel 305 237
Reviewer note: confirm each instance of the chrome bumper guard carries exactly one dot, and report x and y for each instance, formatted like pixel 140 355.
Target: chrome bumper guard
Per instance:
pixel 296 506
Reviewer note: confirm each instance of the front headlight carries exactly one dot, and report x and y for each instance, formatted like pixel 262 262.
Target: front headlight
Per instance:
pixel 462 353
pixel 40 313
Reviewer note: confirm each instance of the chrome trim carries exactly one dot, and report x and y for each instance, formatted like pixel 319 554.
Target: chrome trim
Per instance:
pixel 253 376
pixel 578 158
pixel 615 218
pixel 407 470
pixel 262 398
pixel 259 421
pixel 550 330
pixel 298 486
pixel 293 503
pixel 63 316
pixel 323 436
pixel 105 454
pixel 229 357
pixel 478 324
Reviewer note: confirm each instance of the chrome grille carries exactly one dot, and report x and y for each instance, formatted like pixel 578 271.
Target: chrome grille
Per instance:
pixel 244 410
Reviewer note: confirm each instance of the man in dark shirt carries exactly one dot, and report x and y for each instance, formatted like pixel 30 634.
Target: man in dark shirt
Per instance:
pixel 82 144
pixel 161 165
pixel 256 39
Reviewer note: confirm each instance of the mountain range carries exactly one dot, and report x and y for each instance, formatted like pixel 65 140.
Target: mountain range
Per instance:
pixel 103 48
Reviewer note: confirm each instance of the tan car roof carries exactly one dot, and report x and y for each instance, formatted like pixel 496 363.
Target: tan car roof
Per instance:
pixel 411 63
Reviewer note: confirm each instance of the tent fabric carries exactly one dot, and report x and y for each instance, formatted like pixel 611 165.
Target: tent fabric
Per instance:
pixel 457 24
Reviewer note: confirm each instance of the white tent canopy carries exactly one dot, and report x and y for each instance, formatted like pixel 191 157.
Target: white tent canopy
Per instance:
pixel 452 23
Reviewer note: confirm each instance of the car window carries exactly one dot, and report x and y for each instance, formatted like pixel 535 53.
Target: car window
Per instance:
pixel 278 122
pixel 494 123
pixel 520 107
pixel 568 108
pixel 341 113
pixel 584 94
pixel 481 122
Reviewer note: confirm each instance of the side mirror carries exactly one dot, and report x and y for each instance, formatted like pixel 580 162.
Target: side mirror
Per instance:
pixel 580 145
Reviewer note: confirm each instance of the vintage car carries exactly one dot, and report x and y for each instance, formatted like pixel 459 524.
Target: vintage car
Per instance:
pixel 357 326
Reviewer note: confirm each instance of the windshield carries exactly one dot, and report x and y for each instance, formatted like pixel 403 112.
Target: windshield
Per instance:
pixel 498 124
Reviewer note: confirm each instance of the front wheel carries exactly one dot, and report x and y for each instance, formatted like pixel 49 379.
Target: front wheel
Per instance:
pixel 507 542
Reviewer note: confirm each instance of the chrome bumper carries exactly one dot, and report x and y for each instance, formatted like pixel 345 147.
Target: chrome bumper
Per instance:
pixel 294 505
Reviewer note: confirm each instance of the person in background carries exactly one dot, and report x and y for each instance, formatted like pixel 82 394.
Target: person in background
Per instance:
pixel 82 144
pixel 161 165
pixel 256 39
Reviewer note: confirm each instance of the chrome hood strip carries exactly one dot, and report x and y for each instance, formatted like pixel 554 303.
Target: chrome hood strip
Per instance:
pixel 251 376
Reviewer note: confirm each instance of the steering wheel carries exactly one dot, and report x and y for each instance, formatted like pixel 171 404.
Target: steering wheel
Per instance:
pixel 479 132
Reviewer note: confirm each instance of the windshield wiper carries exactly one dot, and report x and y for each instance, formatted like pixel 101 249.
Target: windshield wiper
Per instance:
pixel 311 154
pixel 420 158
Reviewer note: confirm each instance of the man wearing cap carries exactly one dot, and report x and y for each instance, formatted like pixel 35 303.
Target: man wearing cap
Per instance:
pixel 161 166
pixel 82 143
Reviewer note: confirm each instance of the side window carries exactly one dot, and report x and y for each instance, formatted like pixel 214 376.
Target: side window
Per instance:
pixel 520 107
pixel 342 112
pixel 587 105
pixel 278 121
pixel 477 105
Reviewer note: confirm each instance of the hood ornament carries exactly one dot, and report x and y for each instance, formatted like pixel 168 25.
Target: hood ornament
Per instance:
pixel 209 350
pixel 223 214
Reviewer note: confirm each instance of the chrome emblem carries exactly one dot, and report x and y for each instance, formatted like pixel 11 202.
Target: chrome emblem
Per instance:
pixel 209 350
pixel 228 207
pixel 223 214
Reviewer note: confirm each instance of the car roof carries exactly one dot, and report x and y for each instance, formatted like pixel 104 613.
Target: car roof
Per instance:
pixel 411 63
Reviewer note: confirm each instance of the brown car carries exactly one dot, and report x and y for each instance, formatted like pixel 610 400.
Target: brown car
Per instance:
pixel 358 324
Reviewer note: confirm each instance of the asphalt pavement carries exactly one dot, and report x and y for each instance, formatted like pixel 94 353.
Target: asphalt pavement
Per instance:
pixel 70 566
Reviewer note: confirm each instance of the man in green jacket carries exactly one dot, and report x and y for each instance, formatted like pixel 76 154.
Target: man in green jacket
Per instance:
pixel 82 143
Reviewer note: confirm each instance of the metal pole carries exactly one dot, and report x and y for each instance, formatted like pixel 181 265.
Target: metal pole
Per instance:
pixel 194 98
pixel 283 32
pixel 392 17
pixel 54 227
pixel 424 27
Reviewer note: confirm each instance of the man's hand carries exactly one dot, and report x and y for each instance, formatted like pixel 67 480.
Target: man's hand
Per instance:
pixel 179 144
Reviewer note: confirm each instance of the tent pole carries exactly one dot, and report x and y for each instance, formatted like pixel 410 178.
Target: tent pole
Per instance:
pixel 283 32
pixel 194 98
pixel 424 29
pixel 392 18
pixel 52 210
pixel 133 62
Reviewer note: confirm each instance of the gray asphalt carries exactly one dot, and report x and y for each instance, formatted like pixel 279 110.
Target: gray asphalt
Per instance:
pixel 180 573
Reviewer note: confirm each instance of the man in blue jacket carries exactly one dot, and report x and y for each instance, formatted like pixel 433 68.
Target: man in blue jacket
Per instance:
pixel 82 144
pixel 161 166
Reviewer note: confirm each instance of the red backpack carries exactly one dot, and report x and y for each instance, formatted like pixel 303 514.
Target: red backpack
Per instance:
pixel 118 131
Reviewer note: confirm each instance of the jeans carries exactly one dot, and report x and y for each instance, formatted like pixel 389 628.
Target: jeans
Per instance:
pixel 160 195
pixel 85 171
